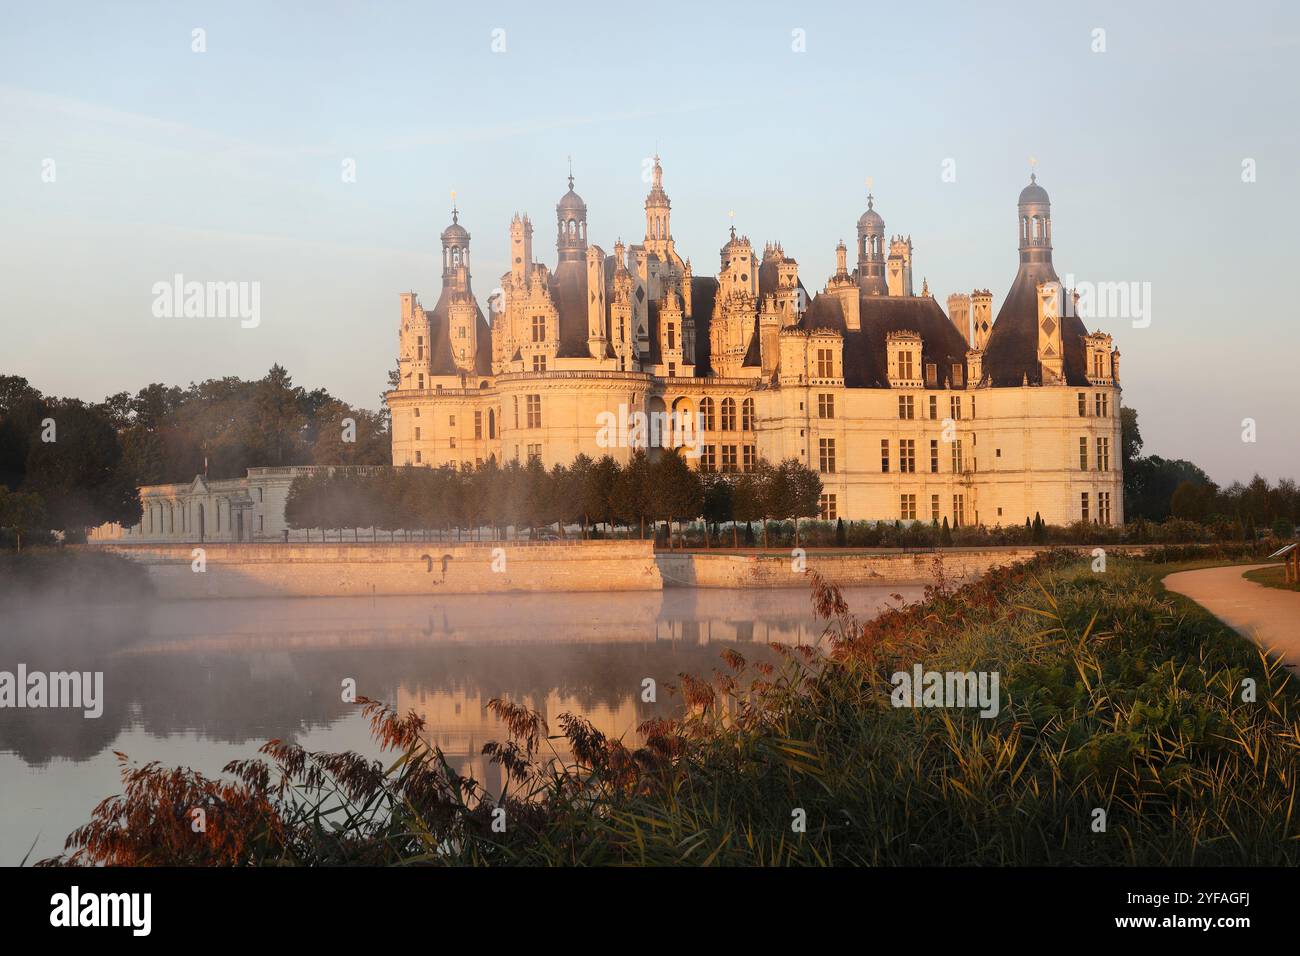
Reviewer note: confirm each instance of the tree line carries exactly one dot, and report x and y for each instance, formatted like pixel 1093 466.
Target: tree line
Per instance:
pixel 67 465
pixel 587 493
pixel 1156 489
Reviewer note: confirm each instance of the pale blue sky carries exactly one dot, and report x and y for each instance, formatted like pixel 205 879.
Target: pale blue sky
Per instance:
pixel 226 165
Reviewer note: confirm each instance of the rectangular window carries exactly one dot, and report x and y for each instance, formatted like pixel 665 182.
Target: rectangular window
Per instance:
pixel 1096 404
pixel 539 363
pixel 825 364
pixel 934 407
pixel 478 425
pixel 709 458
pixel 906 407
pixel 934 508
pixel 958 510
pixel 1083 453
pixel 907 455
pixel 1083 506
pixel 956 457
pixel 1083 405
pixel 1103 507
pixel 539 328
pixel 418 458
pixel 931 374
pixel 907 507
pixel 672 335
pixel 417 433
pixel 827 504
pixel 1103 454
pixel 534 410
pixel 419 348
pixel 750 460
pixel 452 440
pixel 954 406
pixel 826 455
pixel 421 380
pixel 958 375
pixel 934 456
pixel 825 406
pixel 729 458
pixel 884 454
pixel 905 366
pixel 534 451
pixel 451 421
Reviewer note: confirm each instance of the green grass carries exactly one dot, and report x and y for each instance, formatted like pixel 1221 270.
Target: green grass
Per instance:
pixel 1116 696
pixel 1272 577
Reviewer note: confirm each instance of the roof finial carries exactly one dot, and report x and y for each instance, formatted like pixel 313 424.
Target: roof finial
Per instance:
pixel 732 214
pixel 455 214
pixel 570 172
pixel 1033 162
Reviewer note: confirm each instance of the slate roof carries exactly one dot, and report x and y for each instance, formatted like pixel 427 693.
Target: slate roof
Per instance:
pixel 865 353
pixel 440 357
pixel 1011 354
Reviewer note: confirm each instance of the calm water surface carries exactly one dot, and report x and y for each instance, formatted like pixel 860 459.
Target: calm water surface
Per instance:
pixel 201 683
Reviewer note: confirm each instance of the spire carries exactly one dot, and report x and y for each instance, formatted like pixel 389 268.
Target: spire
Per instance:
pixel 570 173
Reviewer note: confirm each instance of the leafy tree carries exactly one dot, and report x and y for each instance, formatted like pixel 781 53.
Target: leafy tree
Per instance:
pixel 600 493
pixel 749 501
pixel 21 512
pixel 634 489
pixel 716 506
pixel 796 493
pixel 371 444
pixel 677 492
pixel 79 475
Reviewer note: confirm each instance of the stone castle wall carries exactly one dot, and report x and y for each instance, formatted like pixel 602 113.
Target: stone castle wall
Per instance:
pixel 334 570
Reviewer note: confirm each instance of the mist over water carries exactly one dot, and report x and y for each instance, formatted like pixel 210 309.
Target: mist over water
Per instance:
pixel 200 683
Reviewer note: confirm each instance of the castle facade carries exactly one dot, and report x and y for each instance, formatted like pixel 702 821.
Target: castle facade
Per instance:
pixel 906 412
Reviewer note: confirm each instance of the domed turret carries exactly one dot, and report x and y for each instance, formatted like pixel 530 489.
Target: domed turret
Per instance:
pixel 871 250
pixel 455 253
pixel 1035 212
pixel 571 226
pixel 1034 193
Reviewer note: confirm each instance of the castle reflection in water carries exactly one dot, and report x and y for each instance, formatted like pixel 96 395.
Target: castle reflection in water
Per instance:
pixel 198 683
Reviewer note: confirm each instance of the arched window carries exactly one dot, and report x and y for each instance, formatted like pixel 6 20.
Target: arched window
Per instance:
pixel 706 414
pixel 747 415
pixel 728 414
